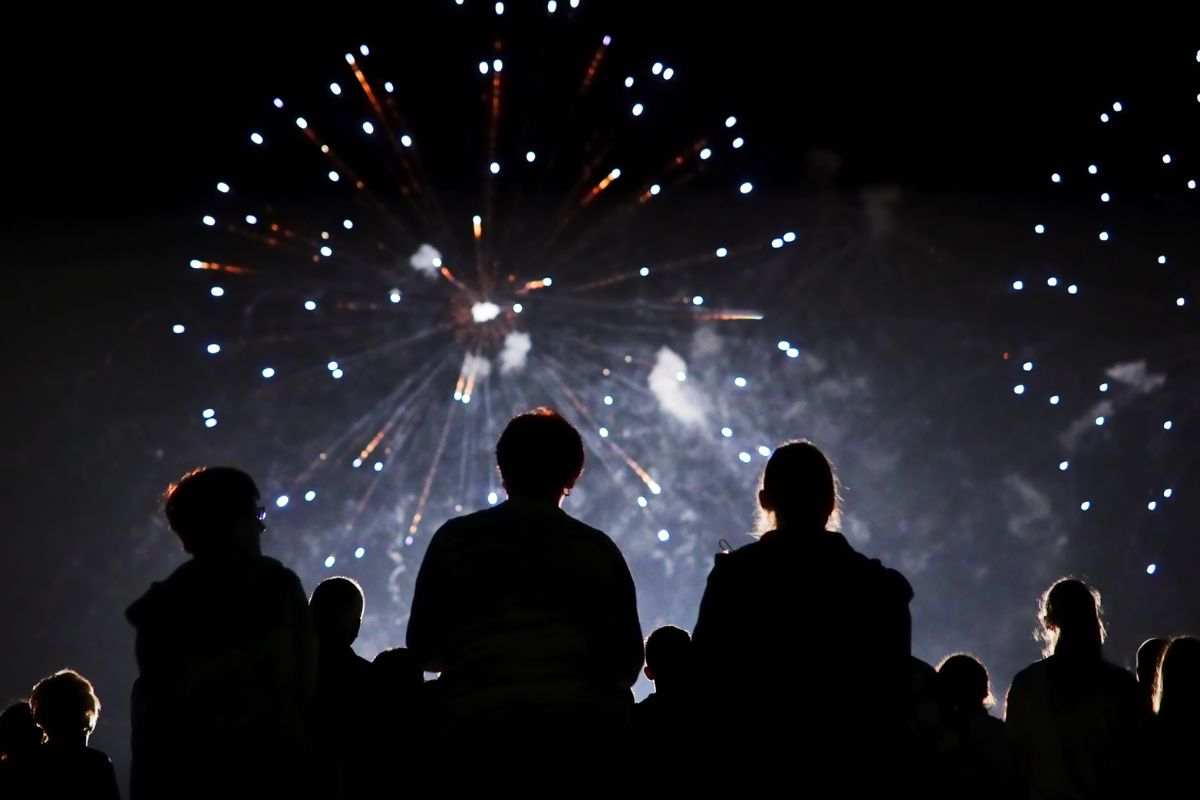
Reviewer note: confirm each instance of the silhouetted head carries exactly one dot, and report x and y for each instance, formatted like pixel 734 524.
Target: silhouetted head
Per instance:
pixel 215 510
pixel 963 683
pixel 1177 687
pixel 540 455
pixel 668 657
pixel 337 610
pixel 1146 663
pixel 799 489
pixel 65 706
pixel 1071 620
pixel 19 734
pixel 398 669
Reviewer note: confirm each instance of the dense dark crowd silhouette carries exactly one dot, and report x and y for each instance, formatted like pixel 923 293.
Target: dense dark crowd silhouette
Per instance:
pixel 798 675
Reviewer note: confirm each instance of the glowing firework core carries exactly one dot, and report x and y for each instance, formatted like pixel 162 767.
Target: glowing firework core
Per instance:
pixel 484 312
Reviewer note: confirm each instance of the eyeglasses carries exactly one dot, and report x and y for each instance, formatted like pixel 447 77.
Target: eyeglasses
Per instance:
pixel 260 513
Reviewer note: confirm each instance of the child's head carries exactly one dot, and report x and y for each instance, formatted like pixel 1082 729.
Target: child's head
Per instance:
pixel 337 609
pixel 19 734
pixel 963 683
pixel 668 656
pixel 65 706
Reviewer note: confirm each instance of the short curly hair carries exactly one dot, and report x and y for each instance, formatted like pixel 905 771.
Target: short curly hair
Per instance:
pixel 65 704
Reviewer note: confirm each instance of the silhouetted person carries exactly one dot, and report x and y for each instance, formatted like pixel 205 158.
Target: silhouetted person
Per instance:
pixel 665 721
pixel 394 711
pixel 66 708
pixel 338 732
pixel 1073 717
pixel 529 614
pixel 20 738
pixel 976 755
pixel 1173 739
pixel 802 639
pixel 225 654
pixel 1146 667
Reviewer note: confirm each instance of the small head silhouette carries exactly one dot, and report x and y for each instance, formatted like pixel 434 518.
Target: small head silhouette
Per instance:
pixel 215 510
pixel 668 656
pixel 540 455
pixel 1071 619
pixel 337 609
pixel 19 734
pixel 1149 653
pixel 1177 688
pixel 963 683
pixel 65 706
pixel 398 669
pixel 799 488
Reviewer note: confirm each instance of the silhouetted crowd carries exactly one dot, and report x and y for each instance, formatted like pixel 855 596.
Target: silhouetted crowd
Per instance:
pixel 798 676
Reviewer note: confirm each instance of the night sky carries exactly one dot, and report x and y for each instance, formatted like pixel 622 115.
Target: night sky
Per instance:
pixel 113 137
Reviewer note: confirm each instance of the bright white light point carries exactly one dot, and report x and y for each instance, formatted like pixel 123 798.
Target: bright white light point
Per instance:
pixel 1191 184
pixel 1152 505
pixel 347 224
pixel 1063 466
pixel 644 272
pixel 574 3
pixel 1027 366
pixel 789 237
pixel 777 243
pixel 330 561
pixel 744 457
pixel 1179 301
pixel 281 501
pixel 335 88
pixel 196 263
pixel 209 220
pixel 1104 387
pixel 616 173
pixel 603 433
pixel 379 466
pixel 483 68
pixel 1099 420
pixel 213 349
pixel 493 498
pixel 484 312
pixel 1054 400
pixel 730 122
pixel 629 82
pixel 476 220
pixel 764 451
pixel 1168 425
pixel 494 168
pixel 681 376
pixel 1166 159
pixel 547 281
pixel 530 156
pixel 1104 117
pixel 1104 236
pixel 657 68
pixel 324 148
pixel 518 308
pixel 664 535
pixel 208 413
pixel 1162 259
pixel 1052 281
pixel 356 463
pixel 223 187
pixel 1167 493
pixel 406 140
pixel 331 366
pixel 177 328
pixel 277 102
pixel 499 8
pixel 325 235
pixel 497 65
pixel 362 48
pixel 1039 228
pixel 739 382
pixel 327 251
pixel 722 252
pixel 607 40
pixel 256 137
pixel 783 344
pixel 251 219
pixel 394 296
pixel 746 188
pixel 1056 178
pixel 1118 107
pixel 552 6
pixel 388 87
pixel 268 372
pixel 637 109
pixel 1105 197
pixel 643 502
pixel 668 73
pixel 337 374
pixel 727 432
pixel 697 300
pixel 1072 289
pixel 368 128
pixel 705 154
pixel 309 496
pixel 655 189
pixel 333 176
pixel 359 552
pixel 310 305
pixel 608 400
pixel 1151 569
pixel 1085 505
pixel 738 142
pixel 210 423
pixel 793 352
pixel 1019 389
pixel 408 540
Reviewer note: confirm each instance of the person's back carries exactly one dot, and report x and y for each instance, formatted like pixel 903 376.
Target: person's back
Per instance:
pixel 1145 667
pixel 1173 738
pixel 665 721
pixel 529 614
pixel 225 654
pixel 20 740
pixel 975 755
pixel 394 725
pixel 800 634
pixel 1073 717
pixel 66 708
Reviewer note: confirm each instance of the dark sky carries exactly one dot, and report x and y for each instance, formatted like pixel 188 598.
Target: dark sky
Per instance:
pixel 109 131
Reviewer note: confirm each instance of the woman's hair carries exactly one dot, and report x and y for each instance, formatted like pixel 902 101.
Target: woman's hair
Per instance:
pixel 65 704
pixel 1176 685
pixel 800 487
pixel 1071 607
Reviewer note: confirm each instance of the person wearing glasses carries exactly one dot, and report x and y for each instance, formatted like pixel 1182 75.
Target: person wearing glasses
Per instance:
pixel 225 652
